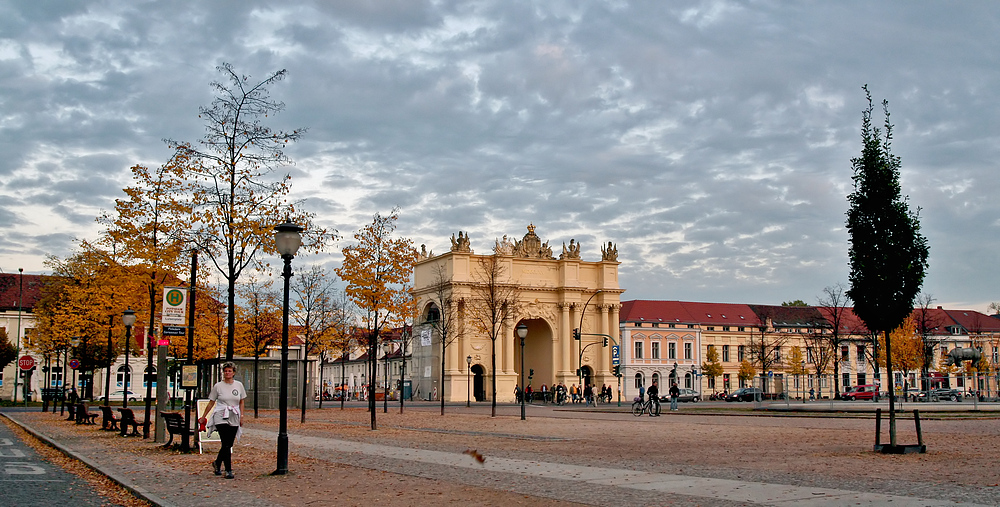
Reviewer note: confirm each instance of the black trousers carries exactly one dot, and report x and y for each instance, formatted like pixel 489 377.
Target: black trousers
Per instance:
pixel 227 434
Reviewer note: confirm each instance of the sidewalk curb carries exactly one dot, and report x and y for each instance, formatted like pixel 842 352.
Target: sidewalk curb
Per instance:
pixel 138 491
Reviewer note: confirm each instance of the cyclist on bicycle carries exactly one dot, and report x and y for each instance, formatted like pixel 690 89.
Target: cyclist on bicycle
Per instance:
pixel 654 399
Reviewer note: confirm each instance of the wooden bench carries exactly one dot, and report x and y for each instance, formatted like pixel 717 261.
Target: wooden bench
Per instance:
pixel 84 415
pixel 110 420
pixel 127 421
pixel 175 426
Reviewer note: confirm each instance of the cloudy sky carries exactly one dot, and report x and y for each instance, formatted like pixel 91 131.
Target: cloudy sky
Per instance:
pixel 711 140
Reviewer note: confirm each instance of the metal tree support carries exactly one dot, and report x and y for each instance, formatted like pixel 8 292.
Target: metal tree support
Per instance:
pixel 894 448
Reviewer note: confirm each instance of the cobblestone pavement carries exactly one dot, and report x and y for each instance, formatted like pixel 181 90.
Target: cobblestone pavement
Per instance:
pixel 557 458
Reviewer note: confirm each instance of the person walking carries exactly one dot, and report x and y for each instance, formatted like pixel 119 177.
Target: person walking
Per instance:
pixel 226 398
pixel 588 394
pixel 675 393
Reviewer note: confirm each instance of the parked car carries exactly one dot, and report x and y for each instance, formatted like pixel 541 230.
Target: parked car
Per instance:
pixel 120 394
pixel 745 394
pixel 686 395
pixel 862 392
pixel 941 393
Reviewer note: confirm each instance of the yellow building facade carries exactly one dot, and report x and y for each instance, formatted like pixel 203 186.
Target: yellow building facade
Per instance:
pixel 551 296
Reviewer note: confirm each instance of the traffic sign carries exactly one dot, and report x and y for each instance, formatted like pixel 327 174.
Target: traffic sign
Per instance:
pixel 615 356
pixel 26 362
pixel 74 363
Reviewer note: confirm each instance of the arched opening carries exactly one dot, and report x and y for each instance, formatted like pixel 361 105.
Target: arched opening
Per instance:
pixel 432 313
pixel 537 354
pixel 123 371
pixel 478 389
pixel 638 380
pixel 656 379
pixel 149 377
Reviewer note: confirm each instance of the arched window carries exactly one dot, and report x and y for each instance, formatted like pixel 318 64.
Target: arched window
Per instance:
pixel 150 376
pixel 638 380
pixel 656 378
pixel 687 380
pixel 120 377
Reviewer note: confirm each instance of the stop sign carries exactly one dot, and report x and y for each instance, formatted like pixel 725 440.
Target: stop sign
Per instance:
pixel 26 362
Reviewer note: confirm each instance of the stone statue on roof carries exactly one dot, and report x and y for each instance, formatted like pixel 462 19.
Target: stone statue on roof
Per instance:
pixel 609 253
pixel 573 252
pixel 531 246
pixel 461 244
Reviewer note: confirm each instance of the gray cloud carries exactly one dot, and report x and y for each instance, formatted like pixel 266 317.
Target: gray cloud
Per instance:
pixel 710 140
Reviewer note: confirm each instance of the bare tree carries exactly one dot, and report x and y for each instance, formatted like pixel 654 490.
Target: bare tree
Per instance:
pixel 764 347
pixel 833 306
pixel 444 317
pixel 926 322
pixel 315 312
pixel 494 300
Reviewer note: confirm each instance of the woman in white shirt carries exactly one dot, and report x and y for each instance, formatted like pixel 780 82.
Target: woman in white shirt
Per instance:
pixel 227 400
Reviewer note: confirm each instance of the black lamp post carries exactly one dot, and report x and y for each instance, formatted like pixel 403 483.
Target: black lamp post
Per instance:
pixel 386 348
pixel 468 382
pixel 802 381
pixel 287 239
pixel 579 337
pixel 522 333
pixel 75 343
pixel 128 318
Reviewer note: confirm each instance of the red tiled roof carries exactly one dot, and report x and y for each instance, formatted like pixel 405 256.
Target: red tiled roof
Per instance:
pixel 11 291
pixel 687 312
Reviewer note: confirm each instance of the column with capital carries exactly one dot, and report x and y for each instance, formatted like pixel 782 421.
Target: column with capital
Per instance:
pixel 505 342
pixel 565 335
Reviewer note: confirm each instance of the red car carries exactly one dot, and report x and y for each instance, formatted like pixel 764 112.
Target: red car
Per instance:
pixel 863 392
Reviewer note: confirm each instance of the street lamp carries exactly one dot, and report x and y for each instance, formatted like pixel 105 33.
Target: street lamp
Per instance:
pixel 128 318
pixel 579 336
pixel 287 239
pixel 522 333
pixel 468 382
pixel 386 348
pixel 75 343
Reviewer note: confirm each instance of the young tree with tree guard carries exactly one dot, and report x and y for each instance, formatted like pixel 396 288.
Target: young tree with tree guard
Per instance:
pixel 888 255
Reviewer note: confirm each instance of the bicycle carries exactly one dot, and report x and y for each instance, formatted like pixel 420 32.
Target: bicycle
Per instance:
pixel 639 407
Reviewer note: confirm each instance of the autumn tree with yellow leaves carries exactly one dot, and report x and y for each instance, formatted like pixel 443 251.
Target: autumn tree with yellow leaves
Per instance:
pixel 376 269
pixel 907 348
pixel 85 297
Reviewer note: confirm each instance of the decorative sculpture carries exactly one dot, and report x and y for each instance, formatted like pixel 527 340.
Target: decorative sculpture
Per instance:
pixel 573 252
pixel 610 253
pixel 461 244
pixel 956 356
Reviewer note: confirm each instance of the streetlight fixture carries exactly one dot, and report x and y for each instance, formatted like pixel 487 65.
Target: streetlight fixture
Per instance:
pixel 75 343
pixel 522 333
pixel 386 348
pixel 579 336
pixel 468 382
pixel 802 371
pixel 128 318
pixel 287 239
